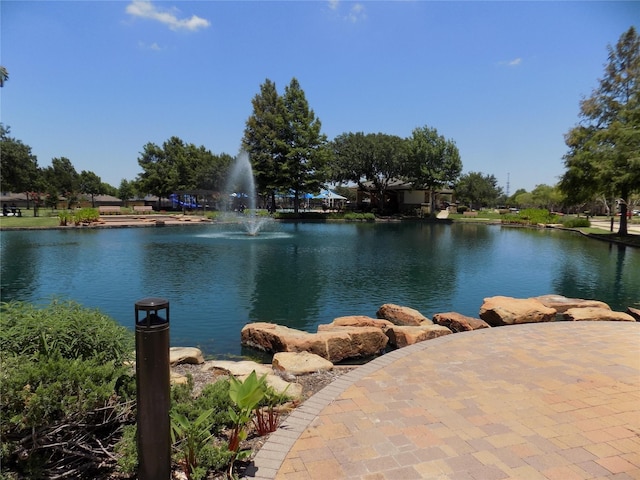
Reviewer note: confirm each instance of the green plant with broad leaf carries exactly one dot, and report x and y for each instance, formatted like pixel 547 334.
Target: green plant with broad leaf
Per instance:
pixel 189 439
pixel 246 396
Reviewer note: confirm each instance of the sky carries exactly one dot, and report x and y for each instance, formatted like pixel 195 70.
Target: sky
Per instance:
pixel 95 81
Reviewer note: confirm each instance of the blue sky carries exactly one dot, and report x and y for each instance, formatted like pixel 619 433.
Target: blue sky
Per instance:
pixel 94 81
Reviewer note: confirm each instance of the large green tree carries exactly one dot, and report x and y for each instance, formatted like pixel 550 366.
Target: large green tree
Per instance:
pixel 477 189
pixel 604 148
pixel 19 171
pixel 283 137
pixel 373 161
pixel 177 166
pixel 306 150
pixel 63 178
pixel 263 140
pixel 90 184
pixel 433 161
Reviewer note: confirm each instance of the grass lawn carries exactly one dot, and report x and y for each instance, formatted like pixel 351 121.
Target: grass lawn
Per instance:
pixel 46 219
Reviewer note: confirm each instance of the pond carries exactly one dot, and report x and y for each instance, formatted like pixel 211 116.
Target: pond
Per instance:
pixel 217 279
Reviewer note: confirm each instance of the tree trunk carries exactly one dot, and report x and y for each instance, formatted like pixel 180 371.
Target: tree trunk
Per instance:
pixel 623 219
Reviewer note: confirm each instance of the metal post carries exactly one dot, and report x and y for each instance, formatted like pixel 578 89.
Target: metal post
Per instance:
pixel 153 389
pixel 611 230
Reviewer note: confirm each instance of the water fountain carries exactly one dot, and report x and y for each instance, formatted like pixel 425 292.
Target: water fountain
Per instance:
pixel 242 184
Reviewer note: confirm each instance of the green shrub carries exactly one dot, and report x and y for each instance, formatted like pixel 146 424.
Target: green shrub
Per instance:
pixel 351 216
pixel 65 218
pixel 64 382
pixel 65 328
pixel 214 396
pixel 127 450
pixel 86 215
pixel 575 222
pixel 532 216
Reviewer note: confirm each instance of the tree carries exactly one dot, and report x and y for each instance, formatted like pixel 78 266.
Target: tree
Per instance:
pixel 478 190
pixel 434 162
pixel 159 172
pixel 4 75
pixel 263 140
pixel 305 153
pixel 546 196
pixel 178 166
pixel 373 161
pixel 62 176
pixel 126 190
pixel 604 149
pixel 90 184
pixel 283 139
pixel 19 171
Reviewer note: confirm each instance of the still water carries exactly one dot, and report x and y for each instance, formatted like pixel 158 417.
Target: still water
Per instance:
pixel 302 274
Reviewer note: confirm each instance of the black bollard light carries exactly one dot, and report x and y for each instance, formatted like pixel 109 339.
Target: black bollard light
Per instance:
pixel 153 389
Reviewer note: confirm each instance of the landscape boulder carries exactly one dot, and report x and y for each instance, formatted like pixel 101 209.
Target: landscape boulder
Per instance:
pixel 182 355
pixel 399 315
pixel 243 369
pixel 335 344
pixel 498 311
pixel 403 335
pixel 457 322
pixel 634 312
pixel 561 304
pixel 299 363
pixel 596 314
pixel 356 321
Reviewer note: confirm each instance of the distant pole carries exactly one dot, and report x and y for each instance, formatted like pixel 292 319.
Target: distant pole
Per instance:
pixel 508 175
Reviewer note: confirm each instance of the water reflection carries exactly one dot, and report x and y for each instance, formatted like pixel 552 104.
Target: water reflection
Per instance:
pixel 306 274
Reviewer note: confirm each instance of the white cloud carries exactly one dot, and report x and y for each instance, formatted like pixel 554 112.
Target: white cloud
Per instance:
pixel 145 9
pixel 512 63
pixel 151 46
pixel 356 13
pixel 333 4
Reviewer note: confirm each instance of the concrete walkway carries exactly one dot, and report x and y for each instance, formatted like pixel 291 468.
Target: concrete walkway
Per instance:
pixel 537 401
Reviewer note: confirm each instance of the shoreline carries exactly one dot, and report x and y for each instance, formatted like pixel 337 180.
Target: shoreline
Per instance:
pixel 170 220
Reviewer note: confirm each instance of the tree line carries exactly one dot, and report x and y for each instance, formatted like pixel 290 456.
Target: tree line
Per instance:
pixel 290 155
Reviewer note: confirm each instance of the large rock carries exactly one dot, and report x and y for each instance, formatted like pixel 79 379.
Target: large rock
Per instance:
pixel 497 311
pixel 180 355
pixel 356 321
pixel 243 369
pixel 634 312
pixel 457 322
pixel 399 315
pixel 597 314
pixel 403 335
pixel 299 363
pixel 240 368
pixel 562 304
pixel 335 344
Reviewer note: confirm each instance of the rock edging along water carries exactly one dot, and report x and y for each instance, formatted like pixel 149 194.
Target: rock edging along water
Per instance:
pixel 358 336
pixel 362 337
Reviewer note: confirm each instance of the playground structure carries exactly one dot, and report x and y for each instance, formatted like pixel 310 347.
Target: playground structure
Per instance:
pixel 184 201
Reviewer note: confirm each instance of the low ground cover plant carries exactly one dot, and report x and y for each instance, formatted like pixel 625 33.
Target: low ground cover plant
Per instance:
pixel 67 401
pixel 531 216
pixel 65 389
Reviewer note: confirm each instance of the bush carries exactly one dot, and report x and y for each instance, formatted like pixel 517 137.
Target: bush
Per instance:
pixel 575 222
pixel 65 388
pixel 532 216
pixel 63 328
pixel 86 215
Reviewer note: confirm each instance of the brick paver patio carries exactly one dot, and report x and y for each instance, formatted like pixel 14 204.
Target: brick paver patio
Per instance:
pixel 537 401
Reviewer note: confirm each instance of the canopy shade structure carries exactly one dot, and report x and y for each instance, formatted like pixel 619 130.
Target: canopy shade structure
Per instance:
pixel 329 195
